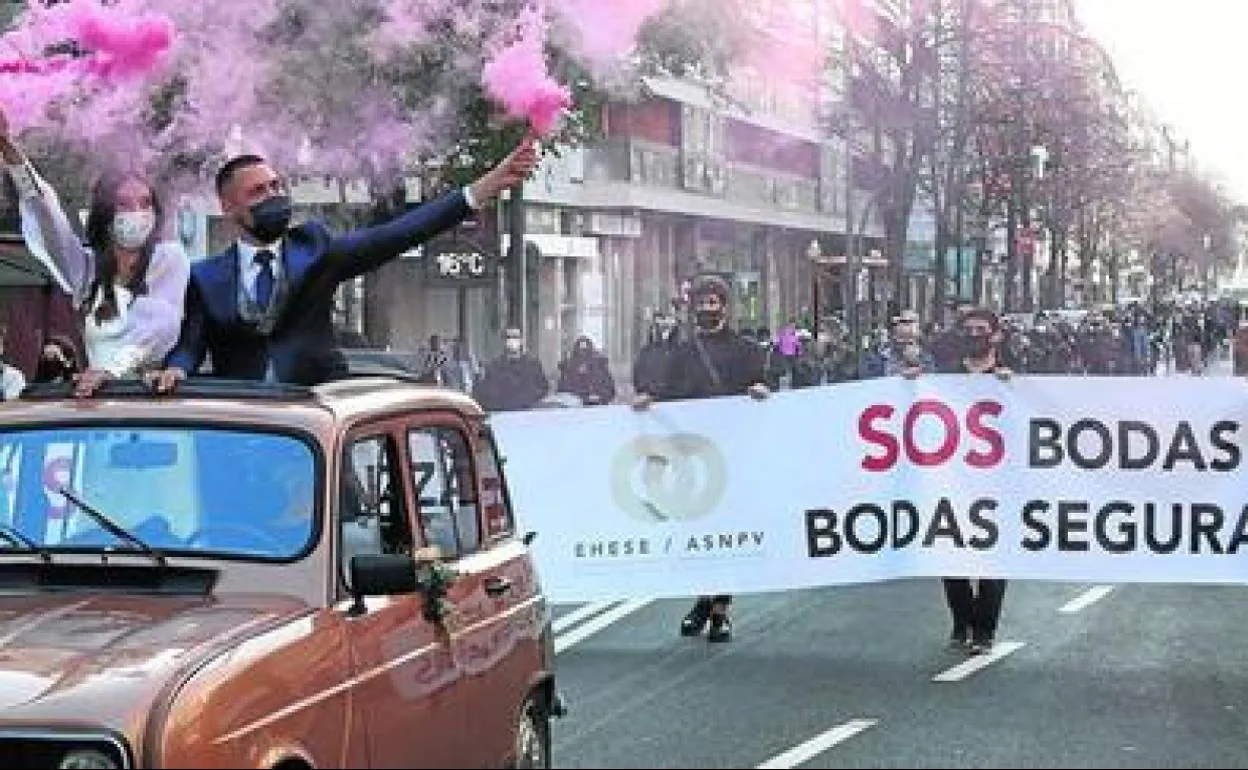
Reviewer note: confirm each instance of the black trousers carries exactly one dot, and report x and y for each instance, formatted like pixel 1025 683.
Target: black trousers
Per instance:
pixel 975 611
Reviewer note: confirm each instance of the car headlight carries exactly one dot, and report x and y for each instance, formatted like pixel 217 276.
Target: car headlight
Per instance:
pixel 87 759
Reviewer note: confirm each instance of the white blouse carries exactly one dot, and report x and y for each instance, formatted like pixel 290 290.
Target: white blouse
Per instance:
pixel 145 328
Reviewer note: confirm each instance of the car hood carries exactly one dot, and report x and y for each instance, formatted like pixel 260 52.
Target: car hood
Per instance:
pixel 102 660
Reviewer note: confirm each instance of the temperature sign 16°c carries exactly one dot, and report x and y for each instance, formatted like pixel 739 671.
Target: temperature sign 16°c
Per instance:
pixel 461 264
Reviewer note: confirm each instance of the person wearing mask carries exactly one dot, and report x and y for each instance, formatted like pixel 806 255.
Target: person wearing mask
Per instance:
pixel 435 364
pixel 586 375
pixel 12 381
pixel 786 351
pixel 904 355
pixel 714 362
pixel 975 605
pixel 58 361
pixel 513 382
pixel 775 371
pixel 263 308
pixel 128 280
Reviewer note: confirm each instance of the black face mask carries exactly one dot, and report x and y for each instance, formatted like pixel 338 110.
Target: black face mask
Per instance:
pixel 270 218
pixel 976 345
pixel 708 320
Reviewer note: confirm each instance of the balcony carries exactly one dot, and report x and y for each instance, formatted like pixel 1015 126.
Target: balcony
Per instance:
pixel 652 165
pixel 635 174
pixel 764 188
pixel 636 162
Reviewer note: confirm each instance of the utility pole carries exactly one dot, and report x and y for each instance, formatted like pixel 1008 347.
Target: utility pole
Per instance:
pixel 517 266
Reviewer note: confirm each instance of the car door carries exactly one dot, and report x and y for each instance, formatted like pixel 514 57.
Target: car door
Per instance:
pixel 498 613
pixel 404 678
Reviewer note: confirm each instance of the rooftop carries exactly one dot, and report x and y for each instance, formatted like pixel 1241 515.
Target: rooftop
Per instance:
pixel 359 395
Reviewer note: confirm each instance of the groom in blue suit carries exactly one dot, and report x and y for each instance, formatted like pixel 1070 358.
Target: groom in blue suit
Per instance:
pixel 262 309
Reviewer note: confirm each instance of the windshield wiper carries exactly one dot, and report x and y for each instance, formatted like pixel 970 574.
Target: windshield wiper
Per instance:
pixel 11 535
pixel 113 528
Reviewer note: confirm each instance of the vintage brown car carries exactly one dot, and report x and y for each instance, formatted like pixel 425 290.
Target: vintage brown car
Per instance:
pixel 250 575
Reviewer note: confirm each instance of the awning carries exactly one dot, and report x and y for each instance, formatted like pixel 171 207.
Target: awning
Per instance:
pixel 566 246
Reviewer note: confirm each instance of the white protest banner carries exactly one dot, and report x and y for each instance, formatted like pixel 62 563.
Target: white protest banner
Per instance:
pixel 1101 479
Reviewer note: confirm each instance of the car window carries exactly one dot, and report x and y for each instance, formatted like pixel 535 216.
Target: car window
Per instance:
pixel 179 489
pixel 372 515
pixel 445 484
pixel 499 521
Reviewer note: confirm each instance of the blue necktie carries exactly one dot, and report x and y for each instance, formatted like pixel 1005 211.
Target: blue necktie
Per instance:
pixel 265 280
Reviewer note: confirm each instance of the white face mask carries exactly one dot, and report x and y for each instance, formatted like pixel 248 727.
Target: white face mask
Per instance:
pixel 131 229
pixel 513 346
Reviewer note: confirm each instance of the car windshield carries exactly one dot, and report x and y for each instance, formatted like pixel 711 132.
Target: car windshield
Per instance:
pixel 181 490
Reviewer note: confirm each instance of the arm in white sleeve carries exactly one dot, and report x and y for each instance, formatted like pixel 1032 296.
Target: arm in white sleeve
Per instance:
pixel 48 233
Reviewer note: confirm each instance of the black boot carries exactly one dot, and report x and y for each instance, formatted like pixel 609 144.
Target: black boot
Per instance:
pixel 696 619
pixel 721 626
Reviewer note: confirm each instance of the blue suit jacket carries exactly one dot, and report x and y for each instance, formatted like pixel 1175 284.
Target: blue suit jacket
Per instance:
pixel 301 344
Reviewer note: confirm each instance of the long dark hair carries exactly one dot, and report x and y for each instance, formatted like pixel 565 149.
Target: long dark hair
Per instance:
pixel 99 232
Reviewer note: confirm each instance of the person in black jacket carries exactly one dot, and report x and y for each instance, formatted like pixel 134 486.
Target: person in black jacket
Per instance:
pixel 586 374
pixel 650 366
pixel 513 382
pixel 975 605
pixel 713 361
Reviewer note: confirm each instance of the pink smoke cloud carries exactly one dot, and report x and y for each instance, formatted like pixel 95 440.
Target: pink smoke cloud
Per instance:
pixel 114 45
pixel 784 45
pixel 605 31
pixel 517 78
pixel 125 47
pixel 298 73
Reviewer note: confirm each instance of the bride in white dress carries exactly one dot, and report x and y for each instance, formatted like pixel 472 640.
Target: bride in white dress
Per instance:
pixel 128 282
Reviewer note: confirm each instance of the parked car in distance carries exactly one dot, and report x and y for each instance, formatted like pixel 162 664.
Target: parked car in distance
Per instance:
pixel 265 576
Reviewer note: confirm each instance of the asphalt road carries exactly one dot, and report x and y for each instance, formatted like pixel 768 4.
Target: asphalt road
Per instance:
pixel 1082 676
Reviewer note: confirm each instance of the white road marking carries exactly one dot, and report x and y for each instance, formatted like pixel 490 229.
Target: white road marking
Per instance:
pixel 803 753
pixel 976 662
pixel 1085 599
pixel 592 627
pixel 564 622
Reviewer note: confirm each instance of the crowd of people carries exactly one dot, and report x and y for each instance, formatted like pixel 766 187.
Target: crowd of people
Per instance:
pixel 1129 340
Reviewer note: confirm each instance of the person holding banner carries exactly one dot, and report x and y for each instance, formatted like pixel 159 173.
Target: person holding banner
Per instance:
pixel 713 361
pixel 975 605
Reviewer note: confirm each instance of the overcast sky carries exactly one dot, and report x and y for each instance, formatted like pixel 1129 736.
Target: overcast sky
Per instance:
pixel 1189 58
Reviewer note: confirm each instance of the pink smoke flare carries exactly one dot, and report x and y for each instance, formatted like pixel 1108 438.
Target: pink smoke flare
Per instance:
pixel 517 79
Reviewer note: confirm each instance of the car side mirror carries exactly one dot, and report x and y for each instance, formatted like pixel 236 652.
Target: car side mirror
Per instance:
pixel 381 575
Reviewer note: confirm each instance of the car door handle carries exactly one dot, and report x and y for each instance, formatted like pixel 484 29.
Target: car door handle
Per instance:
pixel 496 586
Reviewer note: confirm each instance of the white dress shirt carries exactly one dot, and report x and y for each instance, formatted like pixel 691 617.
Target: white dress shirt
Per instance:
pixel 249 270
